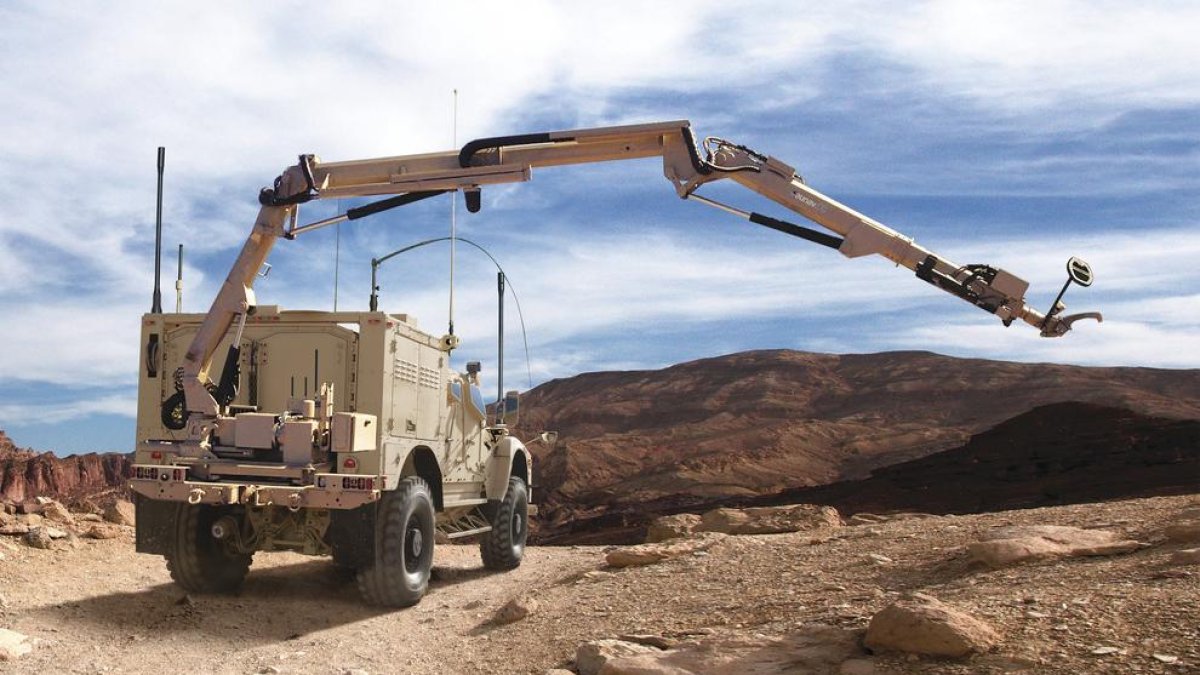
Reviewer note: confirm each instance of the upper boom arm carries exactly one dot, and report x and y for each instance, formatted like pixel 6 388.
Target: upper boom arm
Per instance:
pixel 509 159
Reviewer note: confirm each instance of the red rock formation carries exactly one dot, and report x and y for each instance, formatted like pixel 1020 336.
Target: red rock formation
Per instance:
pixel 25 475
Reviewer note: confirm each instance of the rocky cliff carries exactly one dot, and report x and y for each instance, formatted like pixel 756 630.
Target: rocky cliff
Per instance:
pixel 24 474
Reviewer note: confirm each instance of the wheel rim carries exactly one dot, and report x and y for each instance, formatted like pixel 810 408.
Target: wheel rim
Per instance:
pixel 518 527
pixel 414 545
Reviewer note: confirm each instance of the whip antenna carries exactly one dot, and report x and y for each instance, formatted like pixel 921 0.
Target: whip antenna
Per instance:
pixel 453 211
pixel 156 301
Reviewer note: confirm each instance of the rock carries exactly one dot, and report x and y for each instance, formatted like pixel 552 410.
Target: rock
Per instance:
pixel 671 527
pixel 29 507
pixel 55 533
pixel 878 559
pixel 38 537
pixel 1105 651
pixel 121 512
pixel 656 641
pixel 590 657
pixel 1183 533
pixel 559 671
pixel 58 513
pixel 770 519
pixel 1188 556
pixel 14 529
pixel 102 531
pixel 857 667
pixel 1013 545
pixel 924 625
pixel 355 671
pixel 13 645
pixel 1165 658
pixel 812 649
pixel 89 518
pixel 865 519
pixel 648 554
pixel 514 610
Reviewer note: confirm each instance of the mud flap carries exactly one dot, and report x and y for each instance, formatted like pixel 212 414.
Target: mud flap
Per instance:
pixel 155 524
pixel 351 535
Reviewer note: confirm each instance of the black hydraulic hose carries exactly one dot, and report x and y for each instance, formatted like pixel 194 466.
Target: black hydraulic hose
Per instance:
pixel 796 230
pixel 469 150
pixel 390 203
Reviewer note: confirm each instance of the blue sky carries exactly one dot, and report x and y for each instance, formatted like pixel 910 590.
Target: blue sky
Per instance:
pixel 1016 134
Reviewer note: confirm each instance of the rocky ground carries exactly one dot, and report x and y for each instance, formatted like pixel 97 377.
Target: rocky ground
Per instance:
pixel 792 602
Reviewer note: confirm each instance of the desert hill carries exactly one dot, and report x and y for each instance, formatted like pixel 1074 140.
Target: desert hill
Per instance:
pixel 759 423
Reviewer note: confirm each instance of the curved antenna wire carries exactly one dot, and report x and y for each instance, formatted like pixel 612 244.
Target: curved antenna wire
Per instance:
pixel 375 263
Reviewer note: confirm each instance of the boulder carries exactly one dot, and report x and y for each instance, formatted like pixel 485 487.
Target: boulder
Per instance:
pixel 1183 533
pixel 58 513
pixel 39 537
pixel 770 519
pixel 592 656
pixel 671 527
pixel 922 624
pixel 1188 556
pixel 514 610
pixel 812 649
pixel 14 529
pixel 120 512
pixel 13 645
pixel 1012 545
pixel 102 531
pixel 648 554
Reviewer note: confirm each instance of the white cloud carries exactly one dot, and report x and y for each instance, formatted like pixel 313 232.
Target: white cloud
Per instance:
pixel 55 413
pixel 236 90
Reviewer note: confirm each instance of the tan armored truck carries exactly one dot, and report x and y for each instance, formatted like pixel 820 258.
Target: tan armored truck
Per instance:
pixel 349 434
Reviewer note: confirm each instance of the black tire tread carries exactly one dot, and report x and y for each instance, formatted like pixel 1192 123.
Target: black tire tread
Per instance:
pixel 200 568
pixel 497 548
pixel 384 584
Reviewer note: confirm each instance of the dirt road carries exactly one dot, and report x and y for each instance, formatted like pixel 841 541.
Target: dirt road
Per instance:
pixel 99 607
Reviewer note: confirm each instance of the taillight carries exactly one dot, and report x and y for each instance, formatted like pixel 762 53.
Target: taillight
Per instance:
pixel 350 463
pixel 156 454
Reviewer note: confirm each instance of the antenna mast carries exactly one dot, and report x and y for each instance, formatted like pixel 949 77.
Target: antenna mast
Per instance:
pixel 453 212
pixel 156 301
pixel 179 283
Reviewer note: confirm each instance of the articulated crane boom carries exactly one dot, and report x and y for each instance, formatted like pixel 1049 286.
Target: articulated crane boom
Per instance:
pixel 510 159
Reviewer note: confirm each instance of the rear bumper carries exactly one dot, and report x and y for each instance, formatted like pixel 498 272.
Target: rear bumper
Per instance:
pixel 329 491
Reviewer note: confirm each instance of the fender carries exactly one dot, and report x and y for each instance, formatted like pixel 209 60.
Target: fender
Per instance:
pixel 507 452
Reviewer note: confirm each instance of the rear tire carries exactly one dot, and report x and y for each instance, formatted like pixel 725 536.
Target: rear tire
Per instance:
pixel 399 574
pixel 504 546
pixel 197 561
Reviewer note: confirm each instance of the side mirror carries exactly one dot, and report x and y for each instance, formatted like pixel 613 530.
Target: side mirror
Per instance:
pixel 1080 272
pixel 510 409
pixel 546 438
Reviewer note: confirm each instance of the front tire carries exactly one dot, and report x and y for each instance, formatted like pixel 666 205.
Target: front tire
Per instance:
pixel 504 546
pixel 199 562
pixel 399 574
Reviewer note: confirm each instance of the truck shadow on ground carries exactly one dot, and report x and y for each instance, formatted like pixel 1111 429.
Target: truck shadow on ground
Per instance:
pixel 278 603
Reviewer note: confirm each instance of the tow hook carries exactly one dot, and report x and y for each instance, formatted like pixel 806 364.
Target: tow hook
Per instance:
pixel 294 501
pixel 195 496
